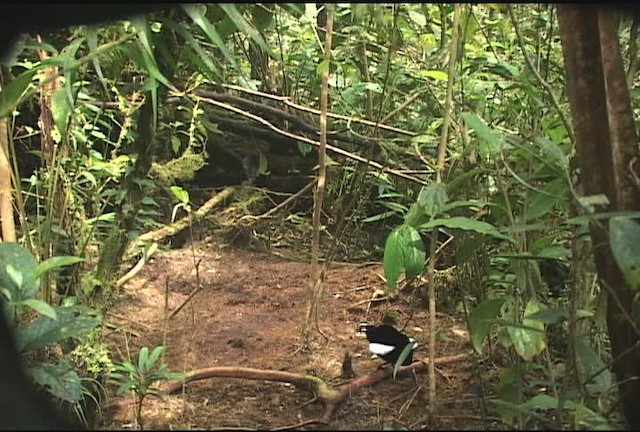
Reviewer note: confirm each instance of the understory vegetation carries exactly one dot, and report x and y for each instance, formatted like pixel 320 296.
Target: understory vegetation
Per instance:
pixel 450 159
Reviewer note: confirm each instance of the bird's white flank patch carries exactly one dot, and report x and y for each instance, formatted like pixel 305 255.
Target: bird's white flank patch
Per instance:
pixel 380 349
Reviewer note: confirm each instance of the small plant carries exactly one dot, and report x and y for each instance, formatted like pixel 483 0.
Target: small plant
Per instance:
pixel 39 325
pixel 139 377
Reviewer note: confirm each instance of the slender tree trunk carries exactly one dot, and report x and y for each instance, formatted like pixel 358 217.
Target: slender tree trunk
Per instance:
pixel 6 207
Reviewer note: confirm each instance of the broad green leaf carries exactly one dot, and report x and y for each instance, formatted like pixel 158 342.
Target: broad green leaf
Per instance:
pixel 432 198
pixel 624 238
pixel 540 402
pixel 68 56
pixel 550 316
pixel 553 150
pixel 60 380
pixel 526 340
pixel 11 93
pixel 404 250
pixel 435 74
pixel 245 27
pixel 53 264
pixel 466 224
pixel 545 200
pixel 180 194
pixel 403 355
pixel 466 248
pixel 40 306
pixel 323 66
pixel 44 331
pixel 16 267
pixel 593 364
pixel 175 144
pixel 417 17
pixel 494 140
pixel 480 320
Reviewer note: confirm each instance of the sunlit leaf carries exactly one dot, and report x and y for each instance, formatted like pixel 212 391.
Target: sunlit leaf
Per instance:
pixel 404 250
pixel 526 340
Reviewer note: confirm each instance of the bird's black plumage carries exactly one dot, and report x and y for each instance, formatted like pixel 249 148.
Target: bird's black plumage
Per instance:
pixel 387 342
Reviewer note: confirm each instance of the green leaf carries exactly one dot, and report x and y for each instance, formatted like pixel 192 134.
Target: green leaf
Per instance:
pixel 554 252
pixel 403 250
pixel 550 316
pixel 197 13
pixel 526 340
pixel 60 380
pixel 125 387
pixel 44 331
pixel 417 17
pixel 480 320
pixel 12 93
pixel 466 248
pixel 603 381
pixel 494 140
pixel 155 354
pixel 54 263
pixel 543 201
pixel 202 57
pixel 180 194
pixel 92 42
pixel 323 66
pixel 466 224
pixel 540 402
pixel 245 27
pixel 624 238
pixel 403 355
pixel 175 144
pixel 432 198
pixel 40 306
pixel 16 267
pixel 61 110
pixel 553 150
pixel 142 359
pixel 435 74
pixel 139 54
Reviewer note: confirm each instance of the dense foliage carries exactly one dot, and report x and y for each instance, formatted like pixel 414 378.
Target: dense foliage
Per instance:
pixel 109 123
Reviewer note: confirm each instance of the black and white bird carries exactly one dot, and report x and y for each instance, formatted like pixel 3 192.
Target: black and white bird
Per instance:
pixel 387 343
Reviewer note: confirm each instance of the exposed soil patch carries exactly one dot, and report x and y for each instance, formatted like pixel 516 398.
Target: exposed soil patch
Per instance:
pixel 249 313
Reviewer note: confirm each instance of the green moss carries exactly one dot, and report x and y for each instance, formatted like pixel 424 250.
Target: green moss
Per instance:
pixel 182 169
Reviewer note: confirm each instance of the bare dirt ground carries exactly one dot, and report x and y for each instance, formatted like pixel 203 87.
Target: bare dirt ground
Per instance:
pixel 249 313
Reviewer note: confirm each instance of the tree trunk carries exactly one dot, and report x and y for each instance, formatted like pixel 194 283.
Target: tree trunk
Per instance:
pixel 607 146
